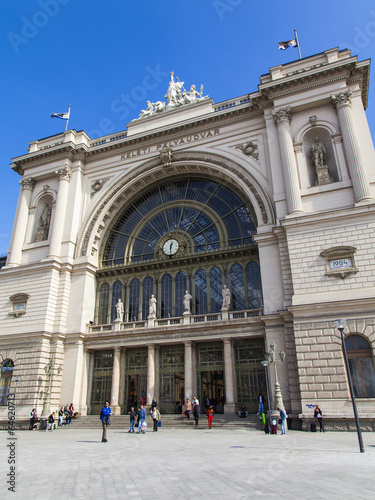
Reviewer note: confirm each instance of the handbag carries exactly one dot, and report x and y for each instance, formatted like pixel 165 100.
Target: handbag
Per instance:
pixel 159 423
pixel 280 421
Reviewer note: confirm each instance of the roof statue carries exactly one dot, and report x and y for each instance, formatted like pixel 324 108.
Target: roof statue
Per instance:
pixel 176 96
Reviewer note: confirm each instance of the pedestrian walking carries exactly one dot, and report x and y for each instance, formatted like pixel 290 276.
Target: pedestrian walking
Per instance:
pixel 50 423
pixel 196 411
pixel 61 416
pixel 141 419
pixel 105 418
pixel 32 419
pixel 132 414
pixel 282 420
pixel 319 417
pixel 155 415
pixel 210 415
pixel 260 403
pixel 188 409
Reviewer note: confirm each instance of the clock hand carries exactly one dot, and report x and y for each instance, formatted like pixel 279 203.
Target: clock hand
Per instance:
pixel 170 246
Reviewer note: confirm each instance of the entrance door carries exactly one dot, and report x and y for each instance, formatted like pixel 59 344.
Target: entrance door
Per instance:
pixel 171 392
pixel 212 387
pixel 137 386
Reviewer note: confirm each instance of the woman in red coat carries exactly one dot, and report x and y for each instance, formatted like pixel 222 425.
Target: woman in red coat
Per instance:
pixel 210 415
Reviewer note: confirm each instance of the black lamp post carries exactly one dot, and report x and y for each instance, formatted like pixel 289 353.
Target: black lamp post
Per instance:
pixel 265 364
pixel 340 324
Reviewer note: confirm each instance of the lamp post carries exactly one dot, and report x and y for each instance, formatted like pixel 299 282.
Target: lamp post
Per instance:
pixel 340 324
pixel 265 364
pixel 273 361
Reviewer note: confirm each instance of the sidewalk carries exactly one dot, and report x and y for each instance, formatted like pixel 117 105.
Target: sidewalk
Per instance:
pixel 188 464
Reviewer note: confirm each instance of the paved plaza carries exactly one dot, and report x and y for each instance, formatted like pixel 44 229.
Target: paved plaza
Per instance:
pixel 183 464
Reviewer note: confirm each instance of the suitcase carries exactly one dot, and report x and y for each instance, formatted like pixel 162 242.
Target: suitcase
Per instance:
pixel 266 429
pixel 313 427
pixel 274 429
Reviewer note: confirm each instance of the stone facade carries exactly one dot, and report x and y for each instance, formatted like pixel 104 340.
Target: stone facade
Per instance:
pixel 58 324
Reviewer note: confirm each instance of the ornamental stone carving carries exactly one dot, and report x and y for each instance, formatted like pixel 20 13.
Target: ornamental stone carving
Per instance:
pixel 166 157
pixel 27 183
pixel 64 174
pixel 249 149
pixel 342 99
pixel 283 115
pixel 97 185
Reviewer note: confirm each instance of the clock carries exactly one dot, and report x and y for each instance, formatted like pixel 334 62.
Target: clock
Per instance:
pixel 171 247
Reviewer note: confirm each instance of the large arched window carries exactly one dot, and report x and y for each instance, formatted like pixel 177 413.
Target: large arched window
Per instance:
pixel 166 296
pixel 216 286
pixel 238 288
pixel 134 299
pixel 200 292
pixel 361 366
pixel 103 303
pixel 6 377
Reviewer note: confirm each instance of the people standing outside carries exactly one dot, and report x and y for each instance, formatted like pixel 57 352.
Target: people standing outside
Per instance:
pixel 154 403
pixel 51 421
pixel 188 408
pixel 282 420
pixel 32 419
pixel 132 414
pixel 210 415
pixel 141 419
pixel 105 418
pixel 61 416
pixel 260 402
pixel 319 416
pixel 196 411
pixel 155 415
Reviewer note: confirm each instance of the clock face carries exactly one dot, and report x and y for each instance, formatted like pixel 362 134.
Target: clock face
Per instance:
pixel 171 246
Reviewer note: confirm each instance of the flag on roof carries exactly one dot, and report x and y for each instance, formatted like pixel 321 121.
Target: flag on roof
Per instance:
pixel 289 43
pixel 62 116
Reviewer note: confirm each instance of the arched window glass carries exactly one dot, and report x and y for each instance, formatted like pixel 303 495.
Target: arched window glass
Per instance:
pixel 148 285
pixel 166 296
pixel 361 366
pixel 116 294
pixel 180 287
pixel 6 377
pixel 216 287
pixel 254 286
pixel 103 304
pixel 237 288
pixel 200 281
pixel 134 299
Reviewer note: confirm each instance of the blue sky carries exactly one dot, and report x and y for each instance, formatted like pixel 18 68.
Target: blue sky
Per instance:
pixel 92 54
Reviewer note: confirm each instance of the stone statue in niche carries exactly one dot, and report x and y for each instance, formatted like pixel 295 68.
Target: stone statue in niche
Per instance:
pixel 152 307
pixel 226 298
pixel 44 223
pixel 187 299
pixel 119 310
pixel 318 159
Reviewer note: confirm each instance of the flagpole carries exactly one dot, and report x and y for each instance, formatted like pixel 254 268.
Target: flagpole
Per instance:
pixel 299 50
pixel 67 121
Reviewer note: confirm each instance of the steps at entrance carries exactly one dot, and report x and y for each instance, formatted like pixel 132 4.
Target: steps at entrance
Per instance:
pixel 171 422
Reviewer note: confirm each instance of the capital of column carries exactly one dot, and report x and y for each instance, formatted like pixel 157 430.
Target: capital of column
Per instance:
pixel 342 99
pixel 283 115
pixel 64 174
pixel 27 183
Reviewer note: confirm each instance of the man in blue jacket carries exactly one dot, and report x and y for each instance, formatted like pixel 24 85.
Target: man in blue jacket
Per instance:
pixel 105 418
pixel 282 420
pixel 142 418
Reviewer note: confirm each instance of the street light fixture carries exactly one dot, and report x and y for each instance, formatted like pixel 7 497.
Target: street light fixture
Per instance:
pixel 265 364
pixel 273 361
pixel 340 325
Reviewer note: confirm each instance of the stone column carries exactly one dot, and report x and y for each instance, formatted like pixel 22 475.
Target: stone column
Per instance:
pixel 27 186
pixel 90 355
pixel 116 409
pixel 229 376
pixel 293 195
pixel 150 374
pixel 64 175
pixel 188 371
pixel 358 174
pixel 121 401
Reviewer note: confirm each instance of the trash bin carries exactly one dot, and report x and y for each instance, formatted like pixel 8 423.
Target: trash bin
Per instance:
pixel 43 424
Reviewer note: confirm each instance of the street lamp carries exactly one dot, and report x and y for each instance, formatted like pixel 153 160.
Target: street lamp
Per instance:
pixel 273 361
pixel 340 324
pixel 265 364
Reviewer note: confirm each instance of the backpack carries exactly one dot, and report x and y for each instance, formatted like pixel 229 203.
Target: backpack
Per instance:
pixel 313 427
